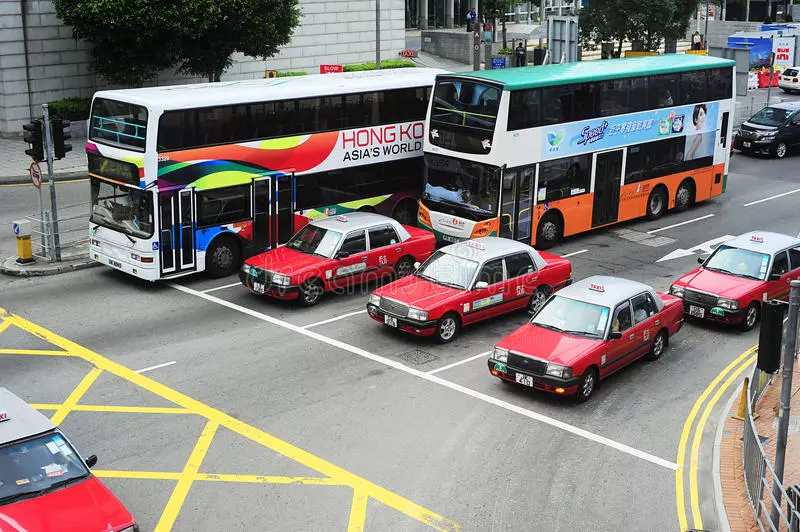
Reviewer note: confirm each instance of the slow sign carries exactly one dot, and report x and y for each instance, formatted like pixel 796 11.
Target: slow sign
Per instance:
pixel 330 69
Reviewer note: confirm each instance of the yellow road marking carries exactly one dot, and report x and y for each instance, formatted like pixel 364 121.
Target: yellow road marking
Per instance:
pixel 268 479
pixel 324 467
pixel 698 434
pixel 4 325
pixel 46 352
pixel 146 475
pixel 75 396
pixel 358 512
pixel 170 513
pixel 118 409
pixel 687 426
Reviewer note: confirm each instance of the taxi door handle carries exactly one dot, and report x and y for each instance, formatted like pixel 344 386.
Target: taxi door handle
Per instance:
pixel 501 289
pixel 632 336
pixel 398 250
pixel 363 259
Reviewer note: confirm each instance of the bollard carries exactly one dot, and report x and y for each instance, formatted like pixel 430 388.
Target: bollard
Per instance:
pixel 22 230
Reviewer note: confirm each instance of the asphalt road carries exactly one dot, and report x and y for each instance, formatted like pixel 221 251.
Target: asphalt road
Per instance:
pixel 458 442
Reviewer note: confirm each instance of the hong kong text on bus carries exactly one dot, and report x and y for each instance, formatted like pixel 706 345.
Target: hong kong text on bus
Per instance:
pixel 538 153
pixel 192 178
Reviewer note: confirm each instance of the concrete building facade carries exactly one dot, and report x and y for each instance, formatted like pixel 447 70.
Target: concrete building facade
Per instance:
pixel 41 62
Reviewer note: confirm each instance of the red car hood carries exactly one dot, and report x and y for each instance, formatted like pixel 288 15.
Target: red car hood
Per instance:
pixel 553 346
pixel 286 261
pixel 86 506
pixel 418 293
pixel 721 284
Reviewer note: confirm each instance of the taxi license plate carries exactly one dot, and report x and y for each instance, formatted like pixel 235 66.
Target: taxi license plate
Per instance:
pixel 390 321
pixel 746 144
pixel 527 380
pixel 698 312
pixel 258 287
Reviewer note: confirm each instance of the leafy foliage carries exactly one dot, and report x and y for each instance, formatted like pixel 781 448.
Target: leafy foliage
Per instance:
pixel 385 64
pixel 70 108
pixel 290 74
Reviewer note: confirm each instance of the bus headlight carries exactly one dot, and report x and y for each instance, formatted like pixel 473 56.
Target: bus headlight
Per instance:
pixel 554 370
pixel 417 314
pixel 500 354
pixel 280 279
pixel 730 304
pixel 676 291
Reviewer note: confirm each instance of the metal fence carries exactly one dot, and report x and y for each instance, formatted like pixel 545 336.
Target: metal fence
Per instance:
pixel 52 239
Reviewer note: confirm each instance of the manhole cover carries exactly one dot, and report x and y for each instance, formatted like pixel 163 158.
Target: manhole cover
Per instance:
pixel 418 357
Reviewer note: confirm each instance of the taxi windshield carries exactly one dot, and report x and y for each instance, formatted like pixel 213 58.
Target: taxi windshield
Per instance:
pixel 573 317
pixel 37 465
pixel 314 240
pixel 448 270
pixel 739 262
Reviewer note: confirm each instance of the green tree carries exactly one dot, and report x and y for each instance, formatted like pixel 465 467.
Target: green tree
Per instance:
pixel 253 27
pixel 132 40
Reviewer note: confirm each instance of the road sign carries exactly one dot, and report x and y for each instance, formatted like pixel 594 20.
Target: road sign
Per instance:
pixel 498 62
pixel 476 47
pixel 408 53
pixel 36 174
pixel 271 74
pixel 329 69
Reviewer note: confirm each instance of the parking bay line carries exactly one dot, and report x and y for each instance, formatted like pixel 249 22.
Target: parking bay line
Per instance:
pixel 157 366
pixel 337 318
pixel 454 364
pixel 772 197
pixel 654 231
pixel 437 380
pixel 221 287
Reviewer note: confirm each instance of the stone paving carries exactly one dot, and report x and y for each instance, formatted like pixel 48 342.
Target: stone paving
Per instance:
pixel 15 167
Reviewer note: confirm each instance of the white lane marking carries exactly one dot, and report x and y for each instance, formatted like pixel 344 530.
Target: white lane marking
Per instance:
pixel 679 224
pixel 337 318
pixel 574 253
pixel 772 197
pixel 438 380
pixel 454 364
pixel 221 287
pixel 159 366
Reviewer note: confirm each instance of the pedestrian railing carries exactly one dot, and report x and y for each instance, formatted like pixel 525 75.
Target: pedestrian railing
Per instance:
pixel 52 238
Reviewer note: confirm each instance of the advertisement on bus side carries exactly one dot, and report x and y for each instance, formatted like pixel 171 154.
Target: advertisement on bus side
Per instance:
pixel 698 123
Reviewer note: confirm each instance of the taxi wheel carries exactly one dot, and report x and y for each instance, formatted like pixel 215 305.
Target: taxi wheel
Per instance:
pixel 310 292
pixel 223 257
pixel 750 317
pixel 539 298
pixel 656 203
pixel 658 347
pixel 405 266
pixel 549 231
pixel 448 327
pixel 587 386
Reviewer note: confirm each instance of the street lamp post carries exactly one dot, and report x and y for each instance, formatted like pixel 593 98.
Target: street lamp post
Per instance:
pixel 705 31
pixel 377 34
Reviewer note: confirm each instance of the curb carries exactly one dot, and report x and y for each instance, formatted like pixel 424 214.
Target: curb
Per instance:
pixel 24 179
pixel 722 515
pixel 10 267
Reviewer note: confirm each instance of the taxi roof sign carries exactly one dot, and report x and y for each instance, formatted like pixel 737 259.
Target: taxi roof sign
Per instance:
pixel 476 245
pixel 342 218
pixel 4 416
pixel 756 238
pixel 597 287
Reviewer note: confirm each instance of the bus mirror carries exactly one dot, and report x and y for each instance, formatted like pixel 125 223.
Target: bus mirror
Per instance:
pixel 481 285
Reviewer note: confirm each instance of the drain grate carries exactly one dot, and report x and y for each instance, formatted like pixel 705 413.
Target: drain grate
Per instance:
pixel 418 357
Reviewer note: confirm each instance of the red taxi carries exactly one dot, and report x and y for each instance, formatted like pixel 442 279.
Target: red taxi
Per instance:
pixel 334 253
pixel 585 333
pixel 468 282
pixel 733 281
pixel 45 485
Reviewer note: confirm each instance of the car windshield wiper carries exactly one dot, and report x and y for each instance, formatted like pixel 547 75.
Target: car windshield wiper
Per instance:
pixel 580 333
pixel 718 270
pixel 426 277
pixel 449 285
pixel 546 326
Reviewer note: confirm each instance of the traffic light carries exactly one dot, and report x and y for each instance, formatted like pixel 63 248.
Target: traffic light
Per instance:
pixel 60 134
pixel 35 139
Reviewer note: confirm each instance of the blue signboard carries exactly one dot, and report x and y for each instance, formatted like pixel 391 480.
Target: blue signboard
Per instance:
pixel 698 123
pixel 498 62
pixel 760 49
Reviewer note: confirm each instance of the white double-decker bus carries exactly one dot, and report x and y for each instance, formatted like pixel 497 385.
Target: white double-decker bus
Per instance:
pixel 192 178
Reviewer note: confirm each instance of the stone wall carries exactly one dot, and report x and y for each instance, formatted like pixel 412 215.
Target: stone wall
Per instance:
pixel 455 45
pixel 56 66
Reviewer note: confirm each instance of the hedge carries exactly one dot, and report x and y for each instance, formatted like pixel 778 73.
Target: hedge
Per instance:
pixel 70 108
pixel 388 63
pixel 290 74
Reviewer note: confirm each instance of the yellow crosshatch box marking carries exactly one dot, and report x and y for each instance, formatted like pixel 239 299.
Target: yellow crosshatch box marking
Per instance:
pixel 332 475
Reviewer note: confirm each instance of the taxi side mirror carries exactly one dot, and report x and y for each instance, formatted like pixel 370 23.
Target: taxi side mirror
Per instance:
pixel 341 254
pixel 416 266
pixel 480 285
pixel 614 335
pixel 774 277
pixel 91 461
pixel 700 260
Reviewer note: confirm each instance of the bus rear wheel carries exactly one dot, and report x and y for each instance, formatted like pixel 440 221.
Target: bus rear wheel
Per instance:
pixel 222 257
pixel 549 231
pixel 656 203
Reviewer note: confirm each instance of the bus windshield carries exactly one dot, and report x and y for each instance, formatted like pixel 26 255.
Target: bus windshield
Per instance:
pixel 464 188
pixel 122 208
pixel 466 103
pixel 118 124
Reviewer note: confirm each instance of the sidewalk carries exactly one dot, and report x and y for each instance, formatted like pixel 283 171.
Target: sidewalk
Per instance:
pixel 15 169
pixel 737 505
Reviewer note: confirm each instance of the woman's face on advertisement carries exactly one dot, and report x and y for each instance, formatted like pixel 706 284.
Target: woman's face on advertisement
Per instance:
pixel 701 118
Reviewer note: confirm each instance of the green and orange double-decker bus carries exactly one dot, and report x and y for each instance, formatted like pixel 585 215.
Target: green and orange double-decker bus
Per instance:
pixel 538 153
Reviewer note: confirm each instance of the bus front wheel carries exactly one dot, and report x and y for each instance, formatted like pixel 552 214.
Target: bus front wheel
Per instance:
pixel 549 231
pixel 657 203
pixel 222 257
